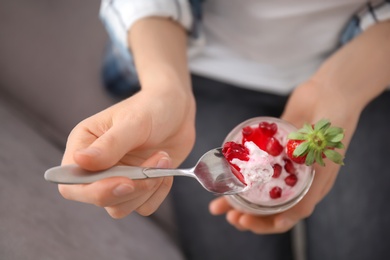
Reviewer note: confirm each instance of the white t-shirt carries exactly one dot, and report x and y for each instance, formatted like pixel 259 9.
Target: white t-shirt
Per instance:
pixel 270 45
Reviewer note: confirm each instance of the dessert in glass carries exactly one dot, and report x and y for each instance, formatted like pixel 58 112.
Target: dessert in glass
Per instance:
pixel 257 151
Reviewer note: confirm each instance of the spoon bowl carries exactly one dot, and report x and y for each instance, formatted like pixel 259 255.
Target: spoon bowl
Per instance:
pixel 212 171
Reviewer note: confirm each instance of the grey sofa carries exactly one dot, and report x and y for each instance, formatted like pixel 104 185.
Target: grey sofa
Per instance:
pixel 50 61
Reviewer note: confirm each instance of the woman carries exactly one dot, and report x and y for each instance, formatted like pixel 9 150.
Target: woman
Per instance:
pixel 248 58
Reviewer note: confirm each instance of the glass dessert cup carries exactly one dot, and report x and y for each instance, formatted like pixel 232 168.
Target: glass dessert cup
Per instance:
pixel 287 182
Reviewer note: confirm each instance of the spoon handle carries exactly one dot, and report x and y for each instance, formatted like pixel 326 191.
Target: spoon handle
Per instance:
pixel 158 172
pixel 73 174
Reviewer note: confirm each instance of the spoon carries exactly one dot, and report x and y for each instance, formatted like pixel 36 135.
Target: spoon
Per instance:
pixel 212 171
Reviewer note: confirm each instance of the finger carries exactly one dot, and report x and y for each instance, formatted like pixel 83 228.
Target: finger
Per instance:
pixel 259 224
pixel 219 206
pixel 233 218
pixel 128 204
pixel 147 202
pixel 112 191
pixel 322 183
pixel 154 201
pixel 112 145
pixel 256 224
pixel 100 193
pixel 320 186
pixel 284 221
pixel 79 138
pixel 144 205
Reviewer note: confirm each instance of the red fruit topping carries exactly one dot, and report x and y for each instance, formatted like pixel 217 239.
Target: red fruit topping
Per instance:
pixel 237 173
pixel 268 129
pixel 277 170
pixel 250 134
pixel 261 141
pixel 247 131
pixel 291 180
pixel 273 147
pixel 233 150
pixel 289 166
pixel 290 148
pixel 262 136
pixel 275 192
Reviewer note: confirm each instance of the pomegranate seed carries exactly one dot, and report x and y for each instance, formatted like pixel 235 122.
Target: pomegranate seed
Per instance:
pixel 247 131
pixel 233 150
pixel 226 147
pixel 291 180
pixel 268 129
pixel 289 166
pixel 237 173
pixel 273 147
pixel 277 170
pixel 275 192
pixel 259 139
pixel 248 134
pixel 253 135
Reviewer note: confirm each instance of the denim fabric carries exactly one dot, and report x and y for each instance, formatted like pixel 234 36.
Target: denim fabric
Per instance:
pixel 196 6
pixel 350 31
pixel 368 12
pixel 119 74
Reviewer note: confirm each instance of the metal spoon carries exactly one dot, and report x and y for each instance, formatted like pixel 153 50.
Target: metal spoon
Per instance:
pixel 212 171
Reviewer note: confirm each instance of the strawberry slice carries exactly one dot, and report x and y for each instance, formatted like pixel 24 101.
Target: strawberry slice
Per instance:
pixel 290 148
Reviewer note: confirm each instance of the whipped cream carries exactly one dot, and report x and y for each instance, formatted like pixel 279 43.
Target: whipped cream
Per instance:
pixel 258 168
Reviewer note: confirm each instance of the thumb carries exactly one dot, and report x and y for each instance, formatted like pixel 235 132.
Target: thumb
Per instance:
pixel 109 148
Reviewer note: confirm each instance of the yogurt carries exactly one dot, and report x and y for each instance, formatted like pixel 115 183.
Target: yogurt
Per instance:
pixel 256 151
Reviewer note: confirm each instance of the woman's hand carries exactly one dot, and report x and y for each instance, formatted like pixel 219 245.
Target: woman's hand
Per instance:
pixel 339 91
pixel 153 128
pixel 148 129
pixel 296 112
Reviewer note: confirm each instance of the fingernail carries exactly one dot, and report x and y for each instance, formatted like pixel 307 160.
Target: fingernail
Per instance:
pixel 90 151
pixel 164 162
pixel 122 190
